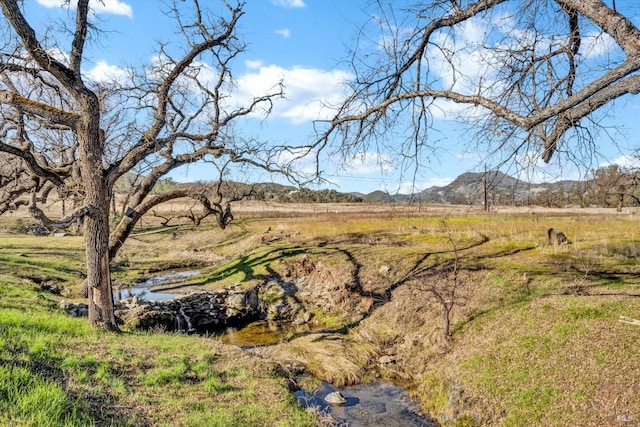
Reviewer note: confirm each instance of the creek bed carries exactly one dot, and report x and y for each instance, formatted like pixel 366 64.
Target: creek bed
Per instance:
pixel 259 333
pixel 379 404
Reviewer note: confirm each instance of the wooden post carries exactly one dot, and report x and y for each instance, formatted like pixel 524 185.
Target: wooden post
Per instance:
pixel 484 193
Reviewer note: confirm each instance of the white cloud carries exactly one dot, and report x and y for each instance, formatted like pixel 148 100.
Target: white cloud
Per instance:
pixel 115 7
pixel 625 161
pixel 597 44
pixel 309 92
pixel 300 159
pixel 289 3
pixel 59 55
pixel 370 162
pixel 105 73
pixel 529 167
pixel 253 64
pixel 285 32
pixel 469 65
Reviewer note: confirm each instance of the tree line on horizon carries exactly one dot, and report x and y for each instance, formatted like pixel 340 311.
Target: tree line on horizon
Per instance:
pixel 611 186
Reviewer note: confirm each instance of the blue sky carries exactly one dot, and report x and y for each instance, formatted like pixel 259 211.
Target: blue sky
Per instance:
pixel 304 42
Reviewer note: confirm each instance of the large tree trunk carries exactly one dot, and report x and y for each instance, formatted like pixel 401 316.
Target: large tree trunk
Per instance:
pixel 96 225
pixel 99 288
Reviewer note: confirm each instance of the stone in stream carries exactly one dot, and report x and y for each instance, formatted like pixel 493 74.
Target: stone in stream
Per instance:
pixel 335 398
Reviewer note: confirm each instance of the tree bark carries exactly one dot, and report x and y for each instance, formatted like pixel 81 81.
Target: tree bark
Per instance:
pixel 96 225
pixel 100 294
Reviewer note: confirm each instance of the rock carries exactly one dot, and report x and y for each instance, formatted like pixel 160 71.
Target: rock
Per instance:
pixel 236 301
pixel 305 318
pixel 146 318
pixel 75 309
pixel 335 398
pixel 385 360
pixel 197 310
pixel 246 300
pixel 279 312
pixel 50 287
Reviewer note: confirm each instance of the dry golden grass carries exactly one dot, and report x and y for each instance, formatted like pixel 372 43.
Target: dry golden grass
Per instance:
pixel 329 357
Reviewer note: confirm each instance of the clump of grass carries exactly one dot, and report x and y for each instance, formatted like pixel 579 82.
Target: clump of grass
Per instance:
pixel 432 392
pixel 328 357
pixel 29 399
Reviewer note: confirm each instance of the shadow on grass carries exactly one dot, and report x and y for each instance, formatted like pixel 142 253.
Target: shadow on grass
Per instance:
pixel 587 282
pixel 417 271
pixel 247 266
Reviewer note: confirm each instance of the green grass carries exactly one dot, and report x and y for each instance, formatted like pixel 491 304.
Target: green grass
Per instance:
pixel 543 361
pixel 55 370
pixel 535 341
pixel 28 399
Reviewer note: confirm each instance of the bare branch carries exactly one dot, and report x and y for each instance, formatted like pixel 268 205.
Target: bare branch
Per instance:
pixel 149 141
pixel 31 43
pixel 80 36
pixel 65 222
pixel 538 86
pixel 47 112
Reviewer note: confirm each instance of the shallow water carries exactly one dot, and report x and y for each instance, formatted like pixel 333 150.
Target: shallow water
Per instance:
pixel 377 404
pixel 260 332
pixel 142 290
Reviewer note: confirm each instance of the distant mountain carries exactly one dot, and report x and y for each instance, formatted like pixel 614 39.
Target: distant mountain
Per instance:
pixel 468 189
pixel 379 196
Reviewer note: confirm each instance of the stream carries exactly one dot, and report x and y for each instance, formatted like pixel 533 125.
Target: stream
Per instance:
pixel 258 333
pixel 379 404
pixel 143 289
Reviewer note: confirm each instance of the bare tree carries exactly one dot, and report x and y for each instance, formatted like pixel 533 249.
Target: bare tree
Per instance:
pixel 445 283
pixel 614 185
pixel 62 133
pixel 532 76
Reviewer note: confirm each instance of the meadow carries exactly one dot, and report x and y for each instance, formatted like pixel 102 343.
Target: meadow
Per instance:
pixel 474 313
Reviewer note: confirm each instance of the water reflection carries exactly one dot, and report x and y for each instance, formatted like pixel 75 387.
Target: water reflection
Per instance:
pixel 142 290
pixel 261 332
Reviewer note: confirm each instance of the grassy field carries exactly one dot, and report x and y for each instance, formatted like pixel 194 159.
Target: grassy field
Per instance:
pixel 56 371
pixel 534 339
